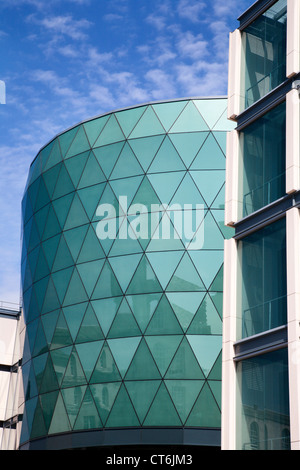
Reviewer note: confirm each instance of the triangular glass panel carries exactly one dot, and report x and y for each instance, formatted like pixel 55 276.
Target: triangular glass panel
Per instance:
pixel 127 164
pixel 169 112
pixel 63 257
pixel 55 155
pixel 61 336
pixel 77 215
pixel 74 315
pixel 60 422
pixel 39 365
pixel 164 264
pixel 105 311
pixel 162 411
pixel 89 274
pixel 75 166
pixel 72 399
pixel 186 277
pixel 166 159
pixel 104 396
pixel 210 156
pixel 216 371
pixel 188 193
pixel 219 216
pixel 80 144
pixel 184 366
pixel 217 298
pixel 166 184
pixel 184 394
pixel 42 268
pixel 88 417
pixel 74 374
pixel 41 344
pixel 122 413
pixel 40 289
pixel 76 292
pixel 141 394
pixel 206 348
pixel 43 197
pixel 146 195
pixel 50 178
pixel 92 173
pixel 188 145
pixel 88 354
pixel 90 197
pixel 48 402
pixel 143 306
pixel 146 148
pixel 219 203
pixel 91 248
pixel 41 219
pixel 207 320
pixel 129 118
pixel 221 138
pixel 205 412
pixel 208 263
pixel 51 300
pixel 111 133
pixel 64 184
pixel 123 350
pixel 213 237
pixel 61 281
pixel 149 124
pixel 94 127
pixel 126 187
pixel 216 388
pixel 89 329
pixel 74 239
pixel 124 268
pixel 142 366
pixel 127 245
pixel 144 280
pixel 224 124
pixel 60 358
pixel 124 324
pixel 66 139
pixel 107 285
pixel 107 156
pixel 217 285
pixel 163 320
pixel 163 349
pixel 106 369
pixel 185 305
pixel 60 210
pixel 211 110
pixel 49 323
pixel 49 382
pixel 38 425
pixel 190 120
pixel 209 183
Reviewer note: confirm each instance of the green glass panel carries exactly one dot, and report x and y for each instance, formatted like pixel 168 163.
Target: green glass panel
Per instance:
pixel 146 194
pixel 184 365
pixel 76 291
pixel 217 285
pixel 33 191
pixel 141 394
pixel 142 366
pixel 127 164
pixel 91 248
pixel 164 265
pixel 111 133
pixel 107 285
pixel 210 156
pixel 166 184
pixel 42 197
pixel 166 159
pixel 61 209
pixel 90 197
pixel 188 145
pixel 64 184
pixel 218 215
pixel 34 238
pixel 123 350
pixel 162 411
pixel 60 358
pixel 50 179
pixel 149 124
pixel 30 387
pixel 75 166
pixel 105 311
pixel 122 413
pixel 216 371
pixel 89 329
pixel 184 394
pixel 42 268
pixel 207 320
pixel 217 298
pixel 66 139
pixel 94 127
pixel 163 349
pixel 188 193
pixel 89 274
pixel 144 280
pixel 108 197
pixel 221 136
pixel 219 203
pixel 126 187
pixel 48 402
pixel 211 110
pixel 205 412
pixel 41 219
pixel 146 148
pixel 74 315
pixel 74 239
pixel 74 374
pixel 49 382
pixel 143 307
pixel 124 324
pixel 106 369
pixel 208 264
pixel 50 248
pixel 107 156
pixel 29 409
pixel 41 344
pixel 164 321
pixel 186 277
pixel 88 354
pixel 104 396
pixel 51 300
pixel 185 306
pixel 61 336
pixel 61 281
pixel 63 257
pixel 38 425
pixel 168 112
pixel 124 268
pixel 88 417
pixel 209 183
pixel 60 421
pixel 92 173
pixel 44 154
pixel 190 120
pixel 55 155
pixel 72 398
pixel 77 215
pixel 39 364
pixel 129 118
pixel 80 143
pixel 128 245
pixel 213 237
pixel 207 349
pixel 216 388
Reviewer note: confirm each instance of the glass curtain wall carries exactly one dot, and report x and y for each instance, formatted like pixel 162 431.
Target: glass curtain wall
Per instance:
pixel 263 402
pixel 263 147
pixel 264 44
pixel 263 288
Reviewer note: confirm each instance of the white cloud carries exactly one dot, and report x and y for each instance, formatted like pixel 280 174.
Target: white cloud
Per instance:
pixel 191 9
pixel 66 25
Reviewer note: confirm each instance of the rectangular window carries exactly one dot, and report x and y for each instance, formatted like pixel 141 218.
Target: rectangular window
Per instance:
pixel 263 282
pixel 264 45
pixel 263 421
pixel 263 145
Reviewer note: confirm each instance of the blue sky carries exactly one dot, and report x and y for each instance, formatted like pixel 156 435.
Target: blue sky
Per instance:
pixel 66 61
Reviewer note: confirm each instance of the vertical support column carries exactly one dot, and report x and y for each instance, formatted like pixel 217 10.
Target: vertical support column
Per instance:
pixel 229 337
pixel 293 305
pixel 232 179
pixel 292 141
pixel 293 38
pixel 234 74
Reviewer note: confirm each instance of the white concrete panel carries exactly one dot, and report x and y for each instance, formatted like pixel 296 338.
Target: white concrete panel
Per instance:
pixel 292 141
pixel 293 37
pixel 234 74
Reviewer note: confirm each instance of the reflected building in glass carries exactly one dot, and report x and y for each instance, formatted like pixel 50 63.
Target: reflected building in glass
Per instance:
pixel 122 301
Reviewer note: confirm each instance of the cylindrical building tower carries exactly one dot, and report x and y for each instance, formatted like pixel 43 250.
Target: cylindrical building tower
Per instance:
pixel 122 263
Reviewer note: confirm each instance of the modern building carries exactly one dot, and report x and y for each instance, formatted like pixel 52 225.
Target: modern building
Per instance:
pixel 122 274
pixel 260 408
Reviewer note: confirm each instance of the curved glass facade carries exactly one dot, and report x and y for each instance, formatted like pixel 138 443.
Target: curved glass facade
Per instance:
pixel 123 310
